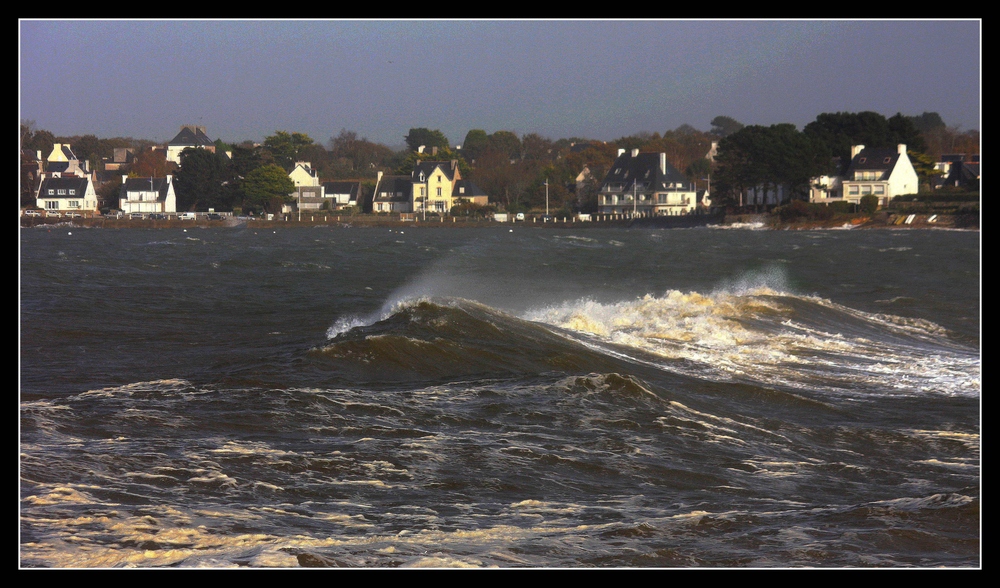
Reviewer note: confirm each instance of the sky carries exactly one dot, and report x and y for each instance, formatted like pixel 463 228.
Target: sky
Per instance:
pixel 593 79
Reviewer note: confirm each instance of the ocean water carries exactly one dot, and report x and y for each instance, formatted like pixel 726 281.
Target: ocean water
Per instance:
pixel 509 397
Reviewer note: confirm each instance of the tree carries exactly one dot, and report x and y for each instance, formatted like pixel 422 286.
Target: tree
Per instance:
pixel 869 203
pixel 200 179
pixel 426 137
pixel 476 141
pixel 724 126
pixel 151 163
pixel 284 147
pixel 927 122
pixel 505 142
pixel 267 188
pixel 359 155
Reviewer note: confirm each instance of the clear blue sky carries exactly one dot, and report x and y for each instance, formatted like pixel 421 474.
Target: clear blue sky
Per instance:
pixel 597 79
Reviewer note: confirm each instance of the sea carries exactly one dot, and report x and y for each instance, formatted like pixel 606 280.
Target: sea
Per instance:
pixel 508 397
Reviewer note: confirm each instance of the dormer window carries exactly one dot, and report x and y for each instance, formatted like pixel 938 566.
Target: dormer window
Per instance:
pixel 862 160
pixel 887 160
pixel 421 176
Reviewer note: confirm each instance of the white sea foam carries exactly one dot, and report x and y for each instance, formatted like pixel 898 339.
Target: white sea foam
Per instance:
pixel 747 329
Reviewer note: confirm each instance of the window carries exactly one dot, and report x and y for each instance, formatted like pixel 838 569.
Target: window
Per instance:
pixel 51 205
pixel 866 189
pixel 880 189
pixel 852 190
pixel 439 190
pixel 72 192
pixel 61 192
pixel 862 160
pixel 74 204
pixel 52 192
pixel 422 189
pixel 461 190
pixel 887 160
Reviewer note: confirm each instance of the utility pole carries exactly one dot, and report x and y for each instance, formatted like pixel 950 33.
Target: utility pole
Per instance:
pixel 546 197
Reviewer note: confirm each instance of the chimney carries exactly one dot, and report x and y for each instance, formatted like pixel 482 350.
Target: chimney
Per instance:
pixel 901 149
pixel 434 150
pixel 124 177
pixel 620 151
pixel 635 152
pixel 420 149
pixel 454 164
pixel 663 163
pixel 855 149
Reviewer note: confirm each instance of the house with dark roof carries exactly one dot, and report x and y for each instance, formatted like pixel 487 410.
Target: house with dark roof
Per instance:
pixel 192 136
pixel 342 194
pixel 57 193
pixel 885 173
pixel 62 161
pixel 147 195
pixel 963 175
pixel 392 194
pixel 434 185
pixel 645 183
pixel 467 191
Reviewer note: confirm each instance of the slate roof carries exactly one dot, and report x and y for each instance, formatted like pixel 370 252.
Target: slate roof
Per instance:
pixel 471 190
pixel 352 188
pixel 393 185
pixel 188 136
pixel 644 171
pixel 869 159
pixel 427 167
pixel 159 185
pixel 67 183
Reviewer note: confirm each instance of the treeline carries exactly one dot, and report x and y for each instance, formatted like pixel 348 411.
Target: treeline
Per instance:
pixel 517 171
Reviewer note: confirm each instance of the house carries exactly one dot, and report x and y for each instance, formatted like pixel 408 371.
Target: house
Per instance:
pixel 342 194
pixel 308 193
pixel 825 189
pixel 645 183
pixel 147 195
pixel 62 161
pixel 60 193
pixel 434 186
pixel 963 175
pixel 192 136
pixel 392 194
pixel 886 173
pixel 467 191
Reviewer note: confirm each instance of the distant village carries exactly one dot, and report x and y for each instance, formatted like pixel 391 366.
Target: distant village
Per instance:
pixel 841 160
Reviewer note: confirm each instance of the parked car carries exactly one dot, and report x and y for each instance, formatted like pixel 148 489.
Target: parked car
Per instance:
pixel 157 216
pixel 519 216
pixel 53 213
pixel 185 216
pixel 136 216
pixel 32 212
pixel 214 216
pixel 73 215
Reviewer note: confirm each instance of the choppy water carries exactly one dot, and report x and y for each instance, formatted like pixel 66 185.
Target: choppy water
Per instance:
pixel 486 397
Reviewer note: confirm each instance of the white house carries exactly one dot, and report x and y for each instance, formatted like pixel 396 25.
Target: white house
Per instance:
pixel 342 194
pixel 147 195
pixel 886 173
pixel 66 194
pixel 392 194
pixel 646 183
pixel 190 136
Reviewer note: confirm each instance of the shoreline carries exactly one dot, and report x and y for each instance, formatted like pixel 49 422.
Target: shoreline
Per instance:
pixel 880 220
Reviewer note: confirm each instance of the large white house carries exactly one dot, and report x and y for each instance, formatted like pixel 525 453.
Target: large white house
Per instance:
pixel 147 195
pixel 58 193
pixel 886 173
pixel 646 183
